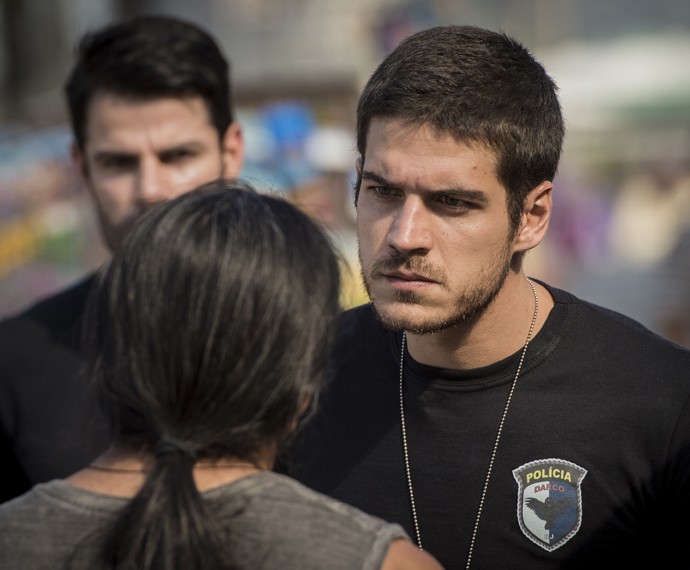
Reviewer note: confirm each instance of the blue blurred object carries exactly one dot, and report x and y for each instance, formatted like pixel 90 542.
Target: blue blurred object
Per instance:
pixel 290 123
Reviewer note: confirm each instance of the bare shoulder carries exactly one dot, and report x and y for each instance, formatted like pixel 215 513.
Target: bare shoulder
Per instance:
pixel 403 555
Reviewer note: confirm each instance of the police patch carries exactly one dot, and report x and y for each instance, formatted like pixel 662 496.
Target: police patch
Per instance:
pixel 549 505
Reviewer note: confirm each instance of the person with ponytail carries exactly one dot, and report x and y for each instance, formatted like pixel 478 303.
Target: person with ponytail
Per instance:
pixel 209 333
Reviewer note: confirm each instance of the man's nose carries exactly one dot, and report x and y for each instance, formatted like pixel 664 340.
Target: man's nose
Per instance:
pixel 410 230
pixel 153 183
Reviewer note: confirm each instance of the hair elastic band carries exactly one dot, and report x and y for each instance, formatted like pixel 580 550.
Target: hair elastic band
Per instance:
pixel 170 445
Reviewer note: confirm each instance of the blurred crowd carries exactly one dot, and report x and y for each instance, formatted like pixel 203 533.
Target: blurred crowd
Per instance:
pixel 621 240
pixel 48 239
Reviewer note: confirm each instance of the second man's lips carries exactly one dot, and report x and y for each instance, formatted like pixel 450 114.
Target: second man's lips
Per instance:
pixel 406 276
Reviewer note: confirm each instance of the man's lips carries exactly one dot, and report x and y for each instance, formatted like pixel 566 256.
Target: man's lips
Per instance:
pixel 404 280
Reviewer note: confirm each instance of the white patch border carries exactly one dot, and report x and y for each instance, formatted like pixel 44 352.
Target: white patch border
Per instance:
pixel 518 480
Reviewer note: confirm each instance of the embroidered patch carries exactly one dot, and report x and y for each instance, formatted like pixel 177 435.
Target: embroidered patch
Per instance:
pixel 549 505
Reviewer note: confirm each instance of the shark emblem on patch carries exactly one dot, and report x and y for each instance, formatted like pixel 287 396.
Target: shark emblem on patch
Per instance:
pixel 549 505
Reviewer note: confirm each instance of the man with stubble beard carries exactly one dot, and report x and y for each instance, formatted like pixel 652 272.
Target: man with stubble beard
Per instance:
pixel 503 422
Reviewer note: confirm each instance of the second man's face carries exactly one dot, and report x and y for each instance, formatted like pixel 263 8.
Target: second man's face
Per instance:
pixel 140 153
pixel 434 234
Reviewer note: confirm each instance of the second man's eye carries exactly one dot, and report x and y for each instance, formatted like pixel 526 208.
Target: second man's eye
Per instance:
pixel 452 201
pixel 383 191
pixel 116 161
pixel 176 155
pixel 455 203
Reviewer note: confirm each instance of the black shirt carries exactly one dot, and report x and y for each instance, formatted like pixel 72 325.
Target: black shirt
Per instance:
pixel 50 424
pixel 599 425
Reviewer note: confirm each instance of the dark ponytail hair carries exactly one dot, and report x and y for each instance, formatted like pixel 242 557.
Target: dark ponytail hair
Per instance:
pixel 210 328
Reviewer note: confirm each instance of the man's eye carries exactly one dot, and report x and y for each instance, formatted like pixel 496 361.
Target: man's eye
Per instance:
pixel 451 201
pixel 383 191
pixel 117 162
pixel 178 155
pixel 454 202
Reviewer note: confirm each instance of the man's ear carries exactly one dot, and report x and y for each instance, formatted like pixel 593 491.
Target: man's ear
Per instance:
pixel 535 218
pixel 233 151
pixel 81 164
pixel 79 160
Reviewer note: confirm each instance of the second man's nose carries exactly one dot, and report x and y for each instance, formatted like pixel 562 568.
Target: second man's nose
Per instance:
pixel 410 229
pixel 153 183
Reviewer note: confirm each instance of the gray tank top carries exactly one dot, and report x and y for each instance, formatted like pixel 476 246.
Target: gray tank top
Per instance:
pixel 274 523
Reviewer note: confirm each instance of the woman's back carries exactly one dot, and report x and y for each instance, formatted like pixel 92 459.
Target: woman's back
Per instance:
pixel 271 521
pixel 210 329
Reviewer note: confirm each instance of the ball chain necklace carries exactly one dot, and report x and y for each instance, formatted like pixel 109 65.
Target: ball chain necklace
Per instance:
pixel 406 456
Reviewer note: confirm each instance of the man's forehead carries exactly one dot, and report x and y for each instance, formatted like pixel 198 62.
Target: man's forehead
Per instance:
pixel 118 121
pixel 104 103
pixel 392 136
pixel 406 128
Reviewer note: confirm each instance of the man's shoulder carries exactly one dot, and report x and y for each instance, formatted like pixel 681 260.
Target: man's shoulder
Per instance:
pixel 362 315
pixel 360 320
pixel 52 324
pixel 362 343
pixel 358 326
pixel 55 313
pixel 593 325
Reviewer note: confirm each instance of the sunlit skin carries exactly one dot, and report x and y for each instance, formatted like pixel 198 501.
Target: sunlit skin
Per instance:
pixel 139 153
pixel 437 250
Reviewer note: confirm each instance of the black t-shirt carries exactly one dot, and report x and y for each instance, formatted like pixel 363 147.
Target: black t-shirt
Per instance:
pixel 50 423
pixel 593 466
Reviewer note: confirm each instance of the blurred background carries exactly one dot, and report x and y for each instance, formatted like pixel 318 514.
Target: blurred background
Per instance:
pixel 620 235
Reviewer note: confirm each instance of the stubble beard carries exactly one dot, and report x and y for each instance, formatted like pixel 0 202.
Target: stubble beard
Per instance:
pixel 467 306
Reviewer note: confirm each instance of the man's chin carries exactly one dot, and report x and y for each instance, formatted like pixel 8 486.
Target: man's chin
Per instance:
pixel 400 316
pixel 421 319
pixel 115 233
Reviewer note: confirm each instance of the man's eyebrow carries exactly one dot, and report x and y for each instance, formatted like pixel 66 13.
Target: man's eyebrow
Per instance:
pixel 114 152
pixel 108 154
pixel 183 145
pixel 373 177
pixel 476 196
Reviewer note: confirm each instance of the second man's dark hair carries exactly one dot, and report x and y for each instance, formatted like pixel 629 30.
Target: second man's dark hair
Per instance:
pixel 478 86
pixel 148 58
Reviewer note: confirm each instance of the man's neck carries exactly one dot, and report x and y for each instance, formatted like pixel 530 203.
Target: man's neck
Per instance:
pixel 501 330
